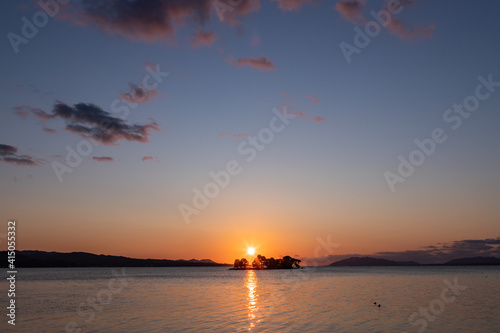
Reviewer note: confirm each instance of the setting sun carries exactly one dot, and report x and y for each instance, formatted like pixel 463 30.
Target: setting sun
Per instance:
pixel 251 251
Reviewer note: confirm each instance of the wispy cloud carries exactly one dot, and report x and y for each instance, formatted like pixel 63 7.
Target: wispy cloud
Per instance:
pixel 152 21
pixel 292 5
pixel 150 158
pixel 138 94
pixel 148 21
pixel 103 159
pixel 8 154
pixel 313 99
pixel 24 110
pixel 297 114
pixel 318 119
pixel 261 63
pixel 91 122
pixel 235 136
pixel 352 11
pixel 433 254
pixel 49 130
pixel 240 135
pixel 203 38
pixel 398 28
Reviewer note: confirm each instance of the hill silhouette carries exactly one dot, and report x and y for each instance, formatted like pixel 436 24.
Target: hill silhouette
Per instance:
pixel 84 259
pixel 368 261
pixel 474 261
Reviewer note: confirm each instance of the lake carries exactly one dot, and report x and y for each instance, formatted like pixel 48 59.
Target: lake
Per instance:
pixel 215 299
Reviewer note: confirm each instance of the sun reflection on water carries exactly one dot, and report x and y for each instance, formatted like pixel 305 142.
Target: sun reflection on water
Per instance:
pixel 251 285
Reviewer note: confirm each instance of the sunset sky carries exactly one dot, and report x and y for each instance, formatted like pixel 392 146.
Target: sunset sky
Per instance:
pixel 151 97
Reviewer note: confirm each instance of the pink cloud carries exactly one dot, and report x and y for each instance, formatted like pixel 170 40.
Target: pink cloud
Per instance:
pixel 203 38
pixel 153 21
pixel 148 21
pixel 138 94
pixel 49 130
pixel 290 5
pixel 91 122
pixel 9 154
pixel 261 63
pixel 318 119
pixel 236 135
pixel 24 110
pixel 240 135
pixel 313 99
pixel 103 159
pixel 297 114
pixel 150 158
pixel 351 10
pixel 398 28
pixel 244 8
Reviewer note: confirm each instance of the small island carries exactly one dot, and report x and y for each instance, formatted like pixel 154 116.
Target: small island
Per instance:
pixel 261 262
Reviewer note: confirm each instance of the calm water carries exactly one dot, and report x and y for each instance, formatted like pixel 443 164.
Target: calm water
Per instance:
pixel 322 299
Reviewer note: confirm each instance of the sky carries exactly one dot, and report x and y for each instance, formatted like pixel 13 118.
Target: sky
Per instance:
pixel 195 129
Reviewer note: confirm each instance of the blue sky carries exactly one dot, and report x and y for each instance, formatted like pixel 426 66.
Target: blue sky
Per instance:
pixel 322 175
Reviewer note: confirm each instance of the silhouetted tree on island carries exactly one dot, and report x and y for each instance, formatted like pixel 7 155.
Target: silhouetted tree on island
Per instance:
pixel 261 262
pixel 240 263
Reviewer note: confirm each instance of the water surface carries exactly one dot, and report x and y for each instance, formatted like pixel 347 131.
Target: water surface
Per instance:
pixel 324 299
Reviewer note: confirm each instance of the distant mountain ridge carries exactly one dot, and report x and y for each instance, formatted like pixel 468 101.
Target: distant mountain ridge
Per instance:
pixel 474 261
pixel 84 259
pixel 369 261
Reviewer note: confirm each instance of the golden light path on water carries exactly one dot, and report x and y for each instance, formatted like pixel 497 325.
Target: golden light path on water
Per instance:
pixel 251 284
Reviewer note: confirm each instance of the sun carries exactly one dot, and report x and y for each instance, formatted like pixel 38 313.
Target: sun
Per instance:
pixel 251 251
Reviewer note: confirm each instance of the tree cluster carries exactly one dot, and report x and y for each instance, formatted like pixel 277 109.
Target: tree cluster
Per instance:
pixel 261 262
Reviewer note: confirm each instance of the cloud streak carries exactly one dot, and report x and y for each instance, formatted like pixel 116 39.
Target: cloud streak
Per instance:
pixel 352 11
pixel 261 63
pixel 138 94
pixel 150 158
pixel 8 154
pixel 313 99
pixel 434 254
pixel 398 28
pixel 148 21
pixel 292 5
pixel 154 20
pixel 91 122
pixel 103 159
pixel 203 38
pixel 49 130
pixel 235 136
pixel 24 110
pixel 318 119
